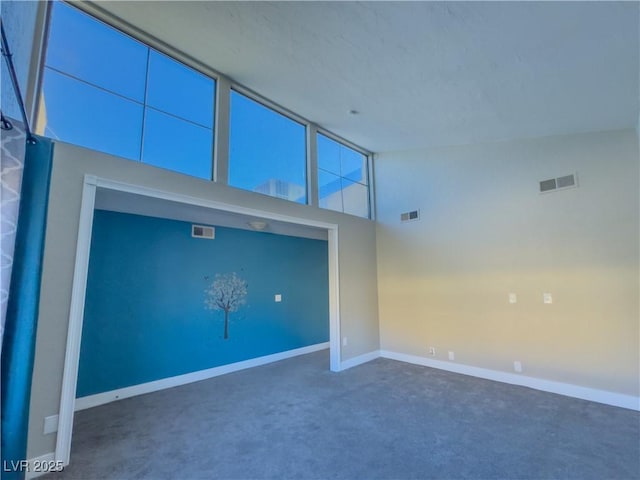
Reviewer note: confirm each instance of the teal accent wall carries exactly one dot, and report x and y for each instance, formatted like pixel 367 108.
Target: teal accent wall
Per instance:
pixel 145 314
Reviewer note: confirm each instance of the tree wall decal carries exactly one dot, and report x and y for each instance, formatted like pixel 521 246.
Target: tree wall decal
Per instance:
pixel 227 292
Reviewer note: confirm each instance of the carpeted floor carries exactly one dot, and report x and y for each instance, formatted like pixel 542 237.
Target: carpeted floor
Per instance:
pixel 382 420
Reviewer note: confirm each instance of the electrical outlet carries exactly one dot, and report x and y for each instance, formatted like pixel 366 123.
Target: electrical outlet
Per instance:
pixel 517 366
pixel 547 298
pixel 452 356
pixel 50 424
pixel 277 297
pixel 432 351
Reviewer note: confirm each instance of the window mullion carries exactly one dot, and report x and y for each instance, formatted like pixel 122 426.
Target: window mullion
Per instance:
pixel 222 112
pixel 144 106
pixel 371 186
pixel 312 165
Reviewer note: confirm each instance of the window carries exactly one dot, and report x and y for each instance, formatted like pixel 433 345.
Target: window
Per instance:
pixel 106 91
pixel 267 151
pixel 343 178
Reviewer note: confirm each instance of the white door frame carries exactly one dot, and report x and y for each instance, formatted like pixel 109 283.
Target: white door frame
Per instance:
pixel 76 312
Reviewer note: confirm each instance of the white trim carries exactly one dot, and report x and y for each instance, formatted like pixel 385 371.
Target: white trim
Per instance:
pixel 76 316
pixel 359 360
pixel 202 202
pixel 335 352
pixel 567 389
pixel 76 311
pixel 90 401
pixel 47 458
pixel 373 210
pixel 312 166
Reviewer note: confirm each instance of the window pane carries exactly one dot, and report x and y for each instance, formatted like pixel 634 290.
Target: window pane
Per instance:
pixel 355 198
pixel 342 178
pixel 177 145
pixel 267 151
pixel 90 50
pixel 328 154
pixel 69 113
pixel 329 191
pixel 353 165
pixel 179 90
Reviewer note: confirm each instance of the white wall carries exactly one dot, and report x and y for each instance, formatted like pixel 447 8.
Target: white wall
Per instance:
pixel 358 291
pixel 485 231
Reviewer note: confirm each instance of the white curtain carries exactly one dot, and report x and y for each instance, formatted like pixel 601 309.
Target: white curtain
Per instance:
pixel 11 166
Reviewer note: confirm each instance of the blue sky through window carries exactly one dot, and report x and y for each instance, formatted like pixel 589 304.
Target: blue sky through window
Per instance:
pixel 266 146
pixel 181 91
pixel 96 53
pixel 336 158
pixel 109 92
pixel 83 115
pixel 190 153
pixel 342 178
pixel 105 90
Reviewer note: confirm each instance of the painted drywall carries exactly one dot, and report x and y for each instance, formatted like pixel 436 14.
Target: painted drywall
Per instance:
pixel 159 324
pixel 485 231
pixel 357 264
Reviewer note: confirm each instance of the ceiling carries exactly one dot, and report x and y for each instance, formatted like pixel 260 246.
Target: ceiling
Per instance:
pixel 420 74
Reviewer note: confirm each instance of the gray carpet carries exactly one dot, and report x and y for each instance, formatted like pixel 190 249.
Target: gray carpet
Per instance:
pixel 383 420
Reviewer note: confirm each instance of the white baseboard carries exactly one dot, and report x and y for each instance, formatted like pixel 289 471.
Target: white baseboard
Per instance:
pixel 567 389
pixel 90 401
pixel 39 466
pixel 359 360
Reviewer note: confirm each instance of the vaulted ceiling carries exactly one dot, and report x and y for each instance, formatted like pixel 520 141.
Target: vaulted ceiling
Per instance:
pixel 420 74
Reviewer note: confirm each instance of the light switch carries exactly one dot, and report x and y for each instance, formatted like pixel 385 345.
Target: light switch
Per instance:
pixel 547 298
pixel 513 298
pixel 278 297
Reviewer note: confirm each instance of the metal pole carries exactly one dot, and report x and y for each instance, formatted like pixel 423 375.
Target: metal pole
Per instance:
pixel 14 80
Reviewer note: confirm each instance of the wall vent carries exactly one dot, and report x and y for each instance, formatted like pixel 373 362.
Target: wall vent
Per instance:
pixel 410 216
pixel 203 231
pixel 559 183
